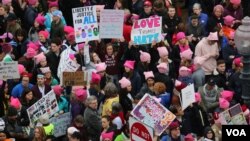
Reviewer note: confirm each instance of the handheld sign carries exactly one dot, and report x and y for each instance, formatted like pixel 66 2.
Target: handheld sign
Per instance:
pixel 9 70
pixel 73 78
pixel 187 96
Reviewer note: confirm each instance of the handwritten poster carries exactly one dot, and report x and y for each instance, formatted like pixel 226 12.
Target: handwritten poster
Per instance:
pixel 145 31
pixel 61 123
pixel 70 65
pixel 9 70
pixel 111 24
pixel 46 105
pixel 85 23
pixel 153 114
pixel 74 78
pixel 187 96
pixel 233 116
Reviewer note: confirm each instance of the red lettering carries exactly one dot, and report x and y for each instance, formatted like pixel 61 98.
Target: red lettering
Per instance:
pixel 143 23
pixel 136 25
pixel 150 22
pixel 156 21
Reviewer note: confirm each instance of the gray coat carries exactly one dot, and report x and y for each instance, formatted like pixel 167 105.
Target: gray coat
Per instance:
pixel 93 124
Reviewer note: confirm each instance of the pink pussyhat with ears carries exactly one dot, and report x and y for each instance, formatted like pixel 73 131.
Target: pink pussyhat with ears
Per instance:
pixel 45 33
pixel 40 19
pixel 213 36
pixel 58 90
pixel 228 20
pixel 14 102
pixel 224 104
pixel 68 29
pixel 145 57
pixel 180 35
pixel 129 64
pixel 33 46
pixel 236 2
pixel 21 69
pixel 53 4
pixel 228 95
pixel 108 136
pixel 30 53
pixel 81 46
pixel 32 2
pixel 197 97
pixel 162 51
pixel 148 74
pixel 124 82
pixel 184 71
pixel 100 67
pixel 162 67
pixel 81 94
pixel 96 78
pixel 237 62
pixel 187 54
pixel 39 58
pixel 6 1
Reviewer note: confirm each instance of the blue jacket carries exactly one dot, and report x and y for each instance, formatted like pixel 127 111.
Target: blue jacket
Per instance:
pixel 203 19
pixel 165 99
pixel 63 104
pixel 18 90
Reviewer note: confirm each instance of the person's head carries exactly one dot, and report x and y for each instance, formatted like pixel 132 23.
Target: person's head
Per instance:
pixel 47 72
pixel 125 84
pixel 33 3
pixel 106 121
pixel 27 95
pixel 76 136
pixel 149 77
pixel 163 53
pixel 163 68
pixel 221 66
pixel 218 11
pixel 20 35
pixel 12 114
pixel 235 3
pixel 194 20
pixel 211 84
pixel 92 102
pixel 181 38
pixel 40 59
pixel 56 45
pixel 129 66
pixel 25 80
pixel 57 15
pixel 121 4
pixel 209 133
pixel 40 80
pixel 3 135
pixel 79 121
pixel 109 49
pixel 101 68
pixel 237 64
pixel 4 9
pixel 197 9
pixel 43 36
pixel 71 131
pixel 53 5
pixel 94 57
pixel 231 39
pixel 110 90
pixel 39 133
pixel 174 129
pixel 212 38
pixel 147 6
pixel 116 108
pixel 159 88
pixel 171 11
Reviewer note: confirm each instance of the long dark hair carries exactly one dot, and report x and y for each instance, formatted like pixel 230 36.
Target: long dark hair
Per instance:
pixel 206 130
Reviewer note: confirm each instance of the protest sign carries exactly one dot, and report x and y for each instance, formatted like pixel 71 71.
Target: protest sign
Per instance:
pixel 85 23
pixel 111 24
pixel 9 70
pixel 70 65
pixel 153 114
pixel 233 116
pixel 140 131
pixel 187 96
pixel 46 105
pixel 61 123
pixel 145 31
pixel 74 78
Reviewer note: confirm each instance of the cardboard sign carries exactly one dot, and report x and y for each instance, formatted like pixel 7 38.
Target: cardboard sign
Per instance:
pixel 140 131
pixel 233 116
pixel 85 23
pixel 111 24
pixel 187 96
pixel 9 70
pixel 145 31
pixel 46 105
pixel 152 113
pixel 61 123
pixel 74 78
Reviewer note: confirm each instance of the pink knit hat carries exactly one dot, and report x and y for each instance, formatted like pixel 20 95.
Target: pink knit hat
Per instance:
pixel 162 51
pixel 228 95
pixel 220 7
pixel 124 82
pixel 180 35
pixel 135 17
pixel 224 104
pixel 187 54
pixel 45 70
pixel 45 33
pixel 145 57
pixel 81 46
pixel 189 137
pixel 184 71
pixel 108 136
pixel 6 1
pixel 228 20
pixel 162 67
pixel 31 53
pixel 213 36
pixel 68 29
pixel 197 97
pixel 236 2
pixel 100 67
pixel 14 102
pixel 40 19
pixel 129 64
pixel 237 62
pixel 81 94
pixel 5 35
pixel 58 90
pixel 21 69
pixel 53 4
pixel 32 2
pixel 96 78
pixel 148 74
pixel 33 46
pixel 40 57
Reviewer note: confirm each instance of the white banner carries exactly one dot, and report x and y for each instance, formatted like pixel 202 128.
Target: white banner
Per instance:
pixel 9 70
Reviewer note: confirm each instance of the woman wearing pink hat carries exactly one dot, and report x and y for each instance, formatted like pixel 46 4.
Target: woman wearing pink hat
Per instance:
pixel 216 19
pixel 235 10
pixel 63 103
pixel 36 28
pixel 148 86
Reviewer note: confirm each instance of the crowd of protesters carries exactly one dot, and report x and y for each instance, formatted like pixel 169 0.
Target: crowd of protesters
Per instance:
pixel 196 47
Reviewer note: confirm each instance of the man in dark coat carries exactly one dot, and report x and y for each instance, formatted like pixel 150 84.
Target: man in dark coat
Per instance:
pixel 41 89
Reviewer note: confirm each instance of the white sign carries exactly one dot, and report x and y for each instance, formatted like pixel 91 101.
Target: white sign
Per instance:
pixel 61 123
pixel 9 70
pixel 145 31
pixel 70 65
pixel 111 24
pixel 46 105
pixel 187 96
pixel 85 23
